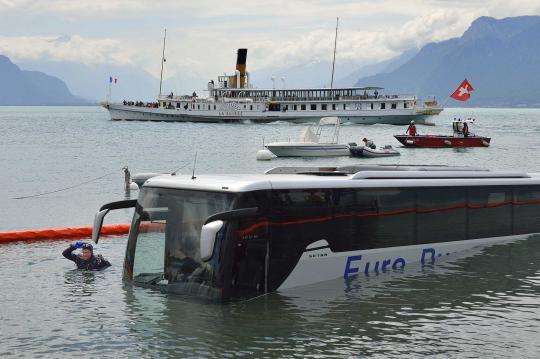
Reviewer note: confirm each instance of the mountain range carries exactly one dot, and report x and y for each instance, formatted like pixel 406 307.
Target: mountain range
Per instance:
pixel 500 58
pixel 19 87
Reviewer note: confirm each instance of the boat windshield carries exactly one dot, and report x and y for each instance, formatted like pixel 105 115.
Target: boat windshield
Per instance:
pixel 164 241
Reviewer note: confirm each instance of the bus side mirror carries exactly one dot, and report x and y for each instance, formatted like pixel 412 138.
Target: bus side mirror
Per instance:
pixel 208 238
pixel 98 223
pixel 98 218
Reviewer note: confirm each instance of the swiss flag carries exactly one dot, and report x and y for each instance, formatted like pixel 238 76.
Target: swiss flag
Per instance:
pixel 463 92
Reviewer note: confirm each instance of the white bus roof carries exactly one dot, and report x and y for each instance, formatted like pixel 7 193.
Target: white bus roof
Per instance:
pixel 345 177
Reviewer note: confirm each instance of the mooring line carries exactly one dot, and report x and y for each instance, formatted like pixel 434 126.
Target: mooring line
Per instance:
pixel 66 188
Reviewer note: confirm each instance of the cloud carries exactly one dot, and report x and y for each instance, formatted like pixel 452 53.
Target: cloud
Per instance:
pixel 203 35
pixel 64 48
pixel 363 46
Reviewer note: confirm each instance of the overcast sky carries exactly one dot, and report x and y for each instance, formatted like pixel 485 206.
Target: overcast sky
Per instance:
pixel 203 35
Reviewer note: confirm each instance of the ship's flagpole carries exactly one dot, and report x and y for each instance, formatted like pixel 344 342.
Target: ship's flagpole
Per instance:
pixel 335 46
pixel 109 91
pixel 162 61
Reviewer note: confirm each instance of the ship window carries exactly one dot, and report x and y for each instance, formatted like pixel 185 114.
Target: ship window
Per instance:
pixel 295 107
pixel 394 106
pixel 334 106
pixel 198 107
pixel 244 107
pixel 251 107
pixel 274 107
pixel 527 209
pixel 405 104
pixel 371 105
pixel 303 107
pixel 441 214
pixel 383 105
pixel 344 107
pixel 313 107
pixel 323 107
pixel 214 107
pixel 490 212
pixel 178 105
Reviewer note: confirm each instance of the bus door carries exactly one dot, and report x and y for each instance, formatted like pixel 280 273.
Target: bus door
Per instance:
pixel 251 258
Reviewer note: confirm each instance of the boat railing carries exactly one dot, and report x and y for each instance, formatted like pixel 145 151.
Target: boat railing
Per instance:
pixel 343 98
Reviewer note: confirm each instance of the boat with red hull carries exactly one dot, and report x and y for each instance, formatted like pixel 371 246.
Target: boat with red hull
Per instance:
pixel 442 141
pixel 460 138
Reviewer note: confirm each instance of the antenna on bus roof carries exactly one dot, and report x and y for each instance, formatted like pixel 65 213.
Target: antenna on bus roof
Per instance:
pixel 194 163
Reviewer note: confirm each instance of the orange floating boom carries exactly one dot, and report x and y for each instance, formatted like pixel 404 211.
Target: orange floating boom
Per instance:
pixel 61 233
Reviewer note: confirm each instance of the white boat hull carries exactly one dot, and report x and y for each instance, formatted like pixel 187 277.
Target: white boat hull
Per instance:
pixel 370 152
pixel 301 149
pixel 366 117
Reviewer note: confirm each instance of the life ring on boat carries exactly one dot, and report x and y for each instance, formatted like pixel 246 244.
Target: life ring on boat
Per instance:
pixel 448 142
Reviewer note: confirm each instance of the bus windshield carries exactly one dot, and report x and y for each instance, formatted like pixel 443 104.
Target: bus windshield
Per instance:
pixel 164 241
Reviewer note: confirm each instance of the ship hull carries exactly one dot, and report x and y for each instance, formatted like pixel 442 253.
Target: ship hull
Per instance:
pixel 436 141
pixel 139 113
pixel 308 150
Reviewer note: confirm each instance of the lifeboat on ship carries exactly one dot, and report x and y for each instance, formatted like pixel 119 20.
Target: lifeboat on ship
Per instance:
pixel 460 138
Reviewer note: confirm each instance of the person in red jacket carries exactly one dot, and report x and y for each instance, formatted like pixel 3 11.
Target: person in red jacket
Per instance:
pixel 411 130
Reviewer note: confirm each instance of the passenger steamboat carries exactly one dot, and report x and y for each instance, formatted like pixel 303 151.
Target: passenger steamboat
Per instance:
pixel 230 237
pixel 234 99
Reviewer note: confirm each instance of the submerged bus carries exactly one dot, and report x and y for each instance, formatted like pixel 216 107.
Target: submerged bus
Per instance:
pixel 234 237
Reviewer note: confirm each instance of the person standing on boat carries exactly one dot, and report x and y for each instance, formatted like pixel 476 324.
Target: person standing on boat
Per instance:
pixel 87 260
pixel 411 130
pixel 369 143
pixel 465 129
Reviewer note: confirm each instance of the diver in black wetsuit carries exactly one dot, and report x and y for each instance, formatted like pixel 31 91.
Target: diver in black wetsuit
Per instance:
pixel 87 260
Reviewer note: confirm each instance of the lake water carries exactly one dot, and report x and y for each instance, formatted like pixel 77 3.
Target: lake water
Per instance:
pixel 484 304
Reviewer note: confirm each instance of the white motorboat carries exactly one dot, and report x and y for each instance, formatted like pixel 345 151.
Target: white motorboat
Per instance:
pixel 310 144
pixel 365 151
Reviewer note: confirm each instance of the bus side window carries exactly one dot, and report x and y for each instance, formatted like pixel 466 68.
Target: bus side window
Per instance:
pixel 526 209
pixel 372 218
pixel 442 214
pixel 490 211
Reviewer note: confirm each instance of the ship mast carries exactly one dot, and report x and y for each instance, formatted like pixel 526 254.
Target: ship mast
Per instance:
pixel 162 61
pixel 334 62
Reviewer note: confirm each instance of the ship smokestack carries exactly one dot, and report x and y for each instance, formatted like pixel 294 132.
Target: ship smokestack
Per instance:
pixel 241 67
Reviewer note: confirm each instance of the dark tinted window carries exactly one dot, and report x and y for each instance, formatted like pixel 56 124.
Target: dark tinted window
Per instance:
pixel 373 218
pixel 441 214
pixel 490 212
pixel 526 209
pixel 300 204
